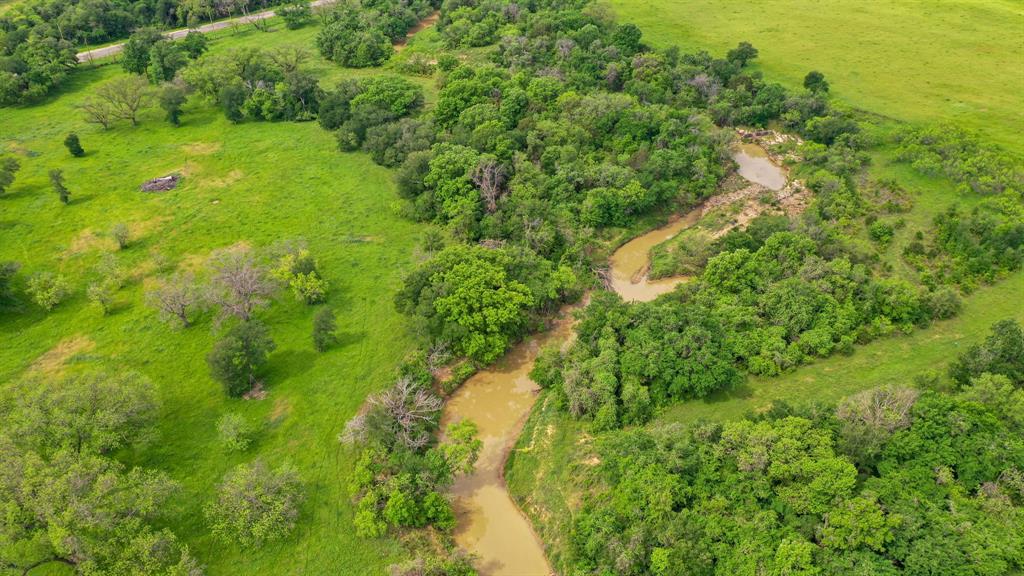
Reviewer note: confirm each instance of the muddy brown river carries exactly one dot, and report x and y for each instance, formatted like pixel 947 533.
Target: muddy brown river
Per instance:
pixel 499 400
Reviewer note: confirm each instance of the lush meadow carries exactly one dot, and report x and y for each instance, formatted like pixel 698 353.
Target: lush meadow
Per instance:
pixel 251 184
pixel 957 62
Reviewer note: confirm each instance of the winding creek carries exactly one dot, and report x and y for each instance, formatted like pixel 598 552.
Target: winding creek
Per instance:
pixel 499 400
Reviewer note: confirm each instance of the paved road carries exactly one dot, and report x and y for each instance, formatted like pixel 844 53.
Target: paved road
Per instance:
pixel 96 53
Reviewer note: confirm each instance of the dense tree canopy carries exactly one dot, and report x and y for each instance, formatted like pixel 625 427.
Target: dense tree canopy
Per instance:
pixel 481 298
pixel 780 493
pixel 65 499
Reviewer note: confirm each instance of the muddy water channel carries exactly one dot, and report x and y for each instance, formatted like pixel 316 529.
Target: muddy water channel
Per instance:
pixel 500 398
pixel 630 263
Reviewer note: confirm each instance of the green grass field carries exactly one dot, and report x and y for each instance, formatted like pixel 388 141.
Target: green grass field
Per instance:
pixel 252 183
pixel 960 61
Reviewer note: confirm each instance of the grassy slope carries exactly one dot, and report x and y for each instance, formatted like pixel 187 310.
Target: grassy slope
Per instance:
pixel 254 183
pixel 961 61
pixel 544 471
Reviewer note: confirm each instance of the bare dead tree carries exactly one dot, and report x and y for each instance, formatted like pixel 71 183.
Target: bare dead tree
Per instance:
pixel 868 419
pixel 257 22
pixel 175 298
pixel 511 12
pixel 884 409
pixel 240 285
pixel 706 85
pixel 489 177
pixel 438 354
pixel 125 97
pixel 289 58
pixel 564 47
pixel 408 410
pixel 97 112
pixel 613 77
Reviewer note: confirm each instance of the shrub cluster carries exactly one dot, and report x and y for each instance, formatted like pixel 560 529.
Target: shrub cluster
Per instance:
pixel 883 483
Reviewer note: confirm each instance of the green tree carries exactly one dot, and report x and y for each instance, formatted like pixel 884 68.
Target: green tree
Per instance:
pixel 88 413
pixel 743 53
pixel 121 234
pixel 65 502
pixel 172 97
pixel 1001 353
pixel 858 522
pixel 234 432
pixel 231 98
pixel 165 59
pixel 295 15
pixel 469 296
pixel 101 293
pixel 195 44
pixel 135 54
pixel 73 145
pixel 815 82
pixel 237 357
pixel 47 289
pixel 255 504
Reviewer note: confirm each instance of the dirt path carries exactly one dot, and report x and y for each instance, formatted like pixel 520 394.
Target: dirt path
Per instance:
pixel 423 25
pixel 96 53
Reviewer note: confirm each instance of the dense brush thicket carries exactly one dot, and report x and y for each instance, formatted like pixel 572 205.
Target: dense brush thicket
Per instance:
pixel 891 481
pixel 361 34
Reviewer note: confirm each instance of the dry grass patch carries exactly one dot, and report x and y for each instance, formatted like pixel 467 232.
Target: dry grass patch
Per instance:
pixel 202 148
pixel 53 360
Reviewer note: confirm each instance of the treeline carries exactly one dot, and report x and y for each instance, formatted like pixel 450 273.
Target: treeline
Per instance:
pixel 362 33
pixel 38 39
pixel 925 479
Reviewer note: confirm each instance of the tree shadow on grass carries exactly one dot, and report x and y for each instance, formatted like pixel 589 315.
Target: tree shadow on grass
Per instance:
pixel 287 364
pixel 79 199
pixel 348 338
pixel 739 392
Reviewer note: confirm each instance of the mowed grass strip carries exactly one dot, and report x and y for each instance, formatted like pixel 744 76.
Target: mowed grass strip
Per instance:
pixel 960 61
pixel 248 184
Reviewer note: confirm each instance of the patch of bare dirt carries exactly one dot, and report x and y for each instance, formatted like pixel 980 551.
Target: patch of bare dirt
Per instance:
pixel 202 148
pixel 772 142
pixel 282 408
pixel 88 239
pixel 228 179
pixel 422 25
pixel 257 393
pixel 53 360
pixel 791 201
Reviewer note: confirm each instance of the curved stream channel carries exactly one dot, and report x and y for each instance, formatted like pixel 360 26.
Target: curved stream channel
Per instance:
pixel 500 398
